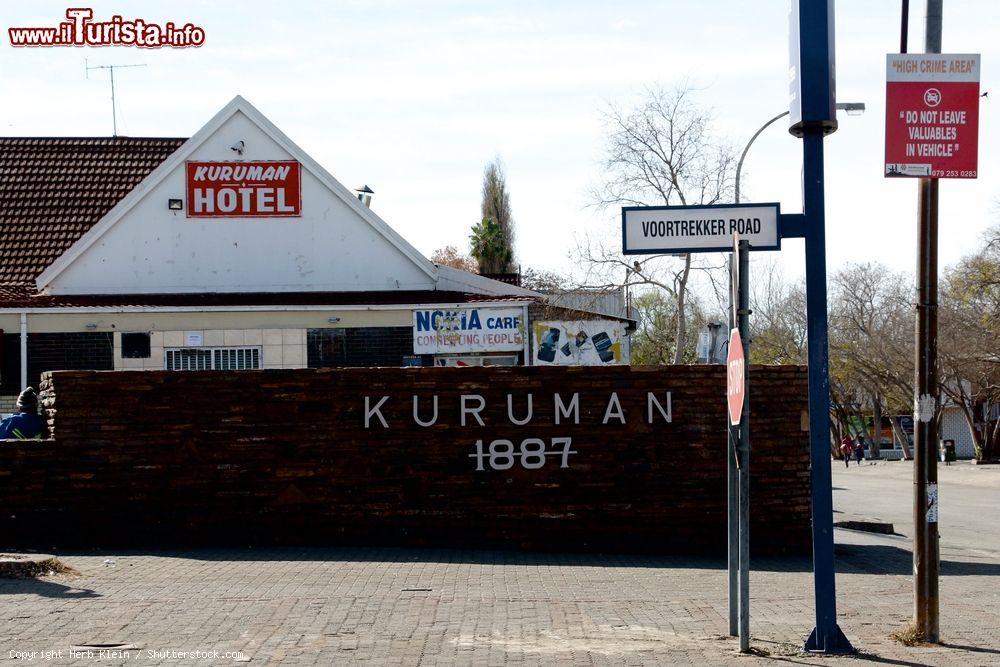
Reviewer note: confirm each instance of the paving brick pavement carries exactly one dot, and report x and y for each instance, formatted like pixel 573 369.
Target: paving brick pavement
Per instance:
pixel 333 606
pixel 441 607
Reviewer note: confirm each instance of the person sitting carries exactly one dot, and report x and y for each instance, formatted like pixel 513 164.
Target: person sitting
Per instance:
pixel 26 424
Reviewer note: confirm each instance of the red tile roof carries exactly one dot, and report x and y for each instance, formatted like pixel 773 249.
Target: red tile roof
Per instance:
pixel 26 297
pixel 54 189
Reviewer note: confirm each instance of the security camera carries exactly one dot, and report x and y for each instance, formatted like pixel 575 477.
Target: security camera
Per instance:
pixel 238 147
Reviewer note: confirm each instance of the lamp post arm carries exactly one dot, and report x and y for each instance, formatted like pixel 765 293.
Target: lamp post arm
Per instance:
pixel 739 165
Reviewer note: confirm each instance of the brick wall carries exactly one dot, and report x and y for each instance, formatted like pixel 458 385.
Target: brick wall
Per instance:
pixel 285 456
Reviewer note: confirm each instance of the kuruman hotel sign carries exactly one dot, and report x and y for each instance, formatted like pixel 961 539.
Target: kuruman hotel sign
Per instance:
pixel 251 189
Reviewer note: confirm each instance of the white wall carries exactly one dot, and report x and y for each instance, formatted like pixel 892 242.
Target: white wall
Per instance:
pixel 330 248
pixel 954 427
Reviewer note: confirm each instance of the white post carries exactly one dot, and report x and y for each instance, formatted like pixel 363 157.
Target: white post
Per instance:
pixel 24 351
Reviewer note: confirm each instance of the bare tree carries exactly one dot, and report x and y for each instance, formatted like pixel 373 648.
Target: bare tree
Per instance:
pixel 662 151
pixel 871 343
pixel 778 325
pixel 450 256
pixel 542 280
pixel 969 342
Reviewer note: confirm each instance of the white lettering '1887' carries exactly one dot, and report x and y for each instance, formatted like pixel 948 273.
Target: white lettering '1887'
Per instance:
pixel 500 454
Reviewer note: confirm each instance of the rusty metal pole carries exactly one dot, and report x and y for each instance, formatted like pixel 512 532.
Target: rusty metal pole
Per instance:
pixel 926 552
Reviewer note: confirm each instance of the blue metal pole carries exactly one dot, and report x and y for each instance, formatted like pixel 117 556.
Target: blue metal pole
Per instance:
pixel 813 114
pixel 826 637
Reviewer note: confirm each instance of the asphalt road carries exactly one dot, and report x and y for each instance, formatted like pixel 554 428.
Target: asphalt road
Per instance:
pixel 969 497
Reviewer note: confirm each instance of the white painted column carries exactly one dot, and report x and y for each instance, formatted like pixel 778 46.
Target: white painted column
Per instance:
pixel 24 351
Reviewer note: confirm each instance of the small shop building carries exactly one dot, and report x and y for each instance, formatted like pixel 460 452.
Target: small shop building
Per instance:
pixel 233 249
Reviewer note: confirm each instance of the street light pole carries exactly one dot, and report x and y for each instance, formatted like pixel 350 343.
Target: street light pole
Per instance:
pixel 733 476
pixel 852 108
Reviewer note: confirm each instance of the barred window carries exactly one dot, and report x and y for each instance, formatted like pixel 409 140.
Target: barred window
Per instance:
pixel 211 358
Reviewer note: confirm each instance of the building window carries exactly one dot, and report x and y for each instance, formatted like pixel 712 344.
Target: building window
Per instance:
pixel 211 358
pixel 135 346
pixel 326 348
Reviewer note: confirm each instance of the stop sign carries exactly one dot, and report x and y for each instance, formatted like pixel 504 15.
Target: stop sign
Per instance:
pixel 735 377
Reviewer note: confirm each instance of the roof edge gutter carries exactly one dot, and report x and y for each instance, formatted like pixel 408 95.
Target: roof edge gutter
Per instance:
pixel 66 310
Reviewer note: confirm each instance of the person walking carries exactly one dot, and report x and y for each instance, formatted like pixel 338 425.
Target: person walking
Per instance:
pixel 846 449
pixel 26 424
pixel 859 449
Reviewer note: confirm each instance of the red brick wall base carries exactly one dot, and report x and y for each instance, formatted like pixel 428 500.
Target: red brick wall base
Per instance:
pixel 254 457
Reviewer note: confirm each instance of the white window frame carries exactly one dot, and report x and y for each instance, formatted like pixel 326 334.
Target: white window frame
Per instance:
pixel 252 354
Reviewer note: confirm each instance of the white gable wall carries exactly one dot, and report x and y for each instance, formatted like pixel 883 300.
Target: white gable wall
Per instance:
pixel 151 249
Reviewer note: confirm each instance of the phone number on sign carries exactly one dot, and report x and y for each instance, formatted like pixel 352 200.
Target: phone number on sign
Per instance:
pixel 953 173
pixel 501 454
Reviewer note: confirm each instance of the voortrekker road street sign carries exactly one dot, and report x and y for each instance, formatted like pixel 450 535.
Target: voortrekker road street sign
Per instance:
pixel 735 377
pixel 649 230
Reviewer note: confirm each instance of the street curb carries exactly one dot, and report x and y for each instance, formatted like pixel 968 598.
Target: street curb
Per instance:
pixel 867 526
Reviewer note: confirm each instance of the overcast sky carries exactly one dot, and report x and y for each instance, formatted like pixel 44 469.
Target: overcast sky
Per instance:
pixel 413 98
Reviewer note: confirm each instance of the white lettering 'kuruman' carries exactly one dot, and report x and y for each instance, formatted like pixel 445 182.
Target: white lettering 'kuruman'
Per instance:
pixel 562 410
pixel 416 412
pixel 370 412
pixel 473 411
pixel 614 410
pixel 510 411
pixel 651 400
pixel 472 408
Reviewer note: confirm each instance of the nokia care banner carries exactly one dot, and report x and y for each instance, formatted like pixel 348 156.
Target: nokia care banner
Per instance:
pixel 438 331
pixel 252 189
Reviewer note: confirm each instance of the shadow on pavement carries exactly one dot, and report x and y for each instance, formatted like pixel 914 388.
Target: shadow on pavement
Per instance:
pixel 850 558
pixel 43 588
pixel 889 559
pixel 972 649
pixel 442 555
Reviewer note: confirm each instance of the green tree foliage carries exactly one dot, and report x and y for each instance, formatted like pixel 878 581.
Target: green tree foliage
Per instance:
pixel 489 247
pixel 655 341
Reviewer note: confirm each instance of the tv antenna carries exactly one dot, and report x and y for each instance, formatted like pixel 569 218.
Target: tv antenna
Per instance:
pixel 111 71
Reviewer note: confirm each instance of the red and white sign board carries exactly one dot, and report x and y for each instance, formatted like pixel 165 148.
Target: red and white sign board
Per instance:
pixel 735 377
pixel 261 189
pixel 932 115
